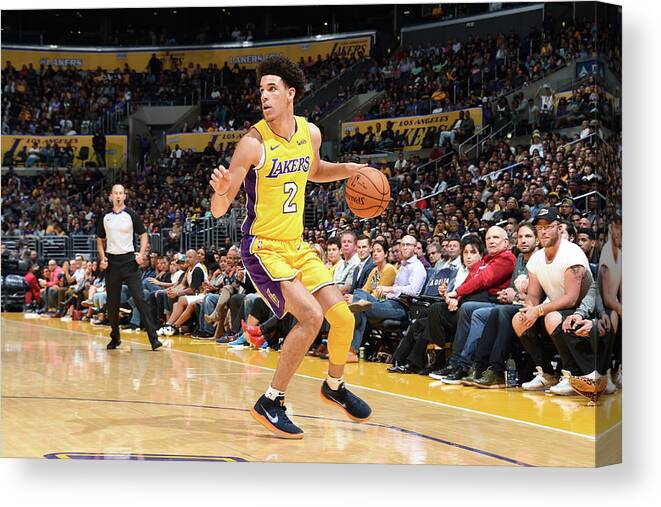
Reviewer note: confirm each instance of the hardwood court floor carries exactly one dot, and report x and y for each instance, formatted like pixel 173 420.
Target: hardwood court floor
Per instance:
pixel 64 395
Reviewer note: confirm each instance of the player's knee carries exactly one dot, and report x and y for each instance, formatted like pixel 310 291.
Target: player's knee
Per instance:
pixel 339 316
pixel 311 317
pixel 342 323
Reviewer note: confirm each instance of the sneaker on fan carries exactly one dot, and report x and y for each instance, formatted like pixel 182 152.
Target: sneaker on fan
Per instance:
pixel 562 388
pixel 166 330
pixel 238 342
pixel 253 335
pixel 610 386
pixel 541 382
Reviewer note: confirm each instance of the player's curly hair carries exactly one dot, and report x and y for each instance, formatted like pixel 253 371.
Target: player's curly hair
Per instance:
pixel 287 70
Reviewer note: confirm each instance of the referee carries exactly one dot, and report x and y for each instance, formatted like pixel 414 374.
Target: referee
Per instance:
pixel 114 241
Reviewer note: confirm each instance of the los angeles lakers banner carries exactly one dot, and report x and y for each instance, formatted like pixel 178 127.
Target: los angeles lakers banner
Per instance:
pixel 246 55
pixel 82 149
pixel 197 142
pixel 414 128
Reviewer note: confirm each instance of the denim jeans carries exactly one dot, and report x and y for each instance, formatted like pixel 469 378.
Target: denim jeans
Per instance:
pixel 381 310
pixel 135 315
pixel 447 134
pixel 125 295
pixel 99 300
pixel 465 338
pixel 247 304
pixel 207 307
pixel 478 322
pixel 497 338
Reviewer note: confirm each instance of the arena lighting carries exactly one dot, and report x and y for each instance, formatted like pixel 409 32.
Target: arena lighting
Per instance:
pixel 325 23
pixel 318 36
pixel 509 135
pixel 407 12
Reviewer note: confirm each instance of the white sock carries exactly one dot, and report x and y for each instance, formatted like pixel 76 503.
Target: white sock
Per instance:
pixel 272 393
pixel 334 383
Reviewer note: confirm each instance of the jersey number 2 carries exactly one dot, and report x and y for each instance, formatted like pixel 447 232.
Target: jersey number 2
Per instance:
pixel 291 189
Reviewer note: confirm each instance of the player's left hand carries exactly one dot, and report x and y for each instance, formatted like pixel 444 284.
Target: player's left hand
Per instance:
pixel 138 257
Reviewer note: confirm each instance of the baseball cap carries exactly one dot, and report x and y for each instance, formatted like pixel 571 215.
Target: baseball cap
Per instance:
pixel 181 258
pixel 567 201
pixel 549 214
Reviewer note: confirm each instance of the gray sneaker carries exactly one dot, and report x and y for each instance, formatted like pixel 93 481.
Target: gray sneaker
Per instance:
pixel 491 379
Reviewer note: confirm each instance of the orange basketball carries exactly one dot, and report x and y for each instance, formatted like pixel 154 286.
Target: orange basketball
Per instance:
pixel 368 192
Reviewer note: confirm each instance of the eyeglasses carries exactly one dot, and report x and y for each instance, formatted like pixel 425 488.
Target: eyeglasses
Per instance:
pixel 408 244
pixel 544 228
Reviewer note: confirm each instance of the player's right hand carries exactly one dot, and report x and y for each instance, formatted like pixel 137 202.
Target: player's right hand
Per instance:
pixel 220 180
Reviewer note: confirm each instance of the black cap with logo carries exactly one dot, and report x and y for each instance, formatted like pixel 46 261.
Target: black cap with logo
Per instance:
pixel 549 214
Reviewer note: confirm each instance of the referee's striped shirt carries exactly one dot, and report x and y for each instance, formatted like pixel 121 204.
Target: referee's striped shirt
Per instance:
pixel 118 229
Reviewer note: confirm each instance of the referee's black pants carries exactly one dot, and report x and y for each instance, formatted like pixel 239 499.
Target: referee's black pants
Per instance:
pixel 125 270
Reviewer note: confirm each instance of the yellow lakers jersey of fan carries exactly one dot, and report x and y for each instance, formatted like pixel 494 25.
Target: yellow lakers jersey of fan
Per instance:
pixel 276 186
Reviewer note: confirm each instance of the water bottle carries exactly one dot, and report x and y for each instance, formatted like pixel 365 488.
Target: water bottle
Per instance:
pixel 511 375
pixel 361 353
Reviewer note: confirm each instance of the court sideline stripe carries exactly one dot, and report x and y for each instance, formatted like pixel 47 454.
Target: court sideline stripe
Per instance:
pixel 410 398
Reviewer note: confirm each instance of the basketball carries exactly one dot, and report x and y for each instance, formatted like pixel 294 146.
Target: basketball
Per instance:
pixel 368 192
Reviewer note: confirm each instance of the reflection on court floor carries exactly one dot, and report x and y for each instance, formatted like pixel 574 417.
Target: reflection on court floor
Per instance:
pixel 66 397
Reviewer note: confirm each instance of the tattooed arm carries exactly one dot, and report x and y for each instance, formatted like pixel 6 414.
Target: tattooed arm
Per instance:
pixel 571 298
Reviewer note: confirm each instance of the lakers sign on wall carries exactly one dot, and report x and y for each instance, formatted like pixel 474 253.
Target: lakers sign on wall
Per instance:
pixel 414 128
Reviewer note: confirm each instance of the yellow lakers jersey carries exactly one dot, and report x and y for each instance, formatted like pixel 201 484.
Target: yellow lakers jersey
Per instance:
pixel 276 186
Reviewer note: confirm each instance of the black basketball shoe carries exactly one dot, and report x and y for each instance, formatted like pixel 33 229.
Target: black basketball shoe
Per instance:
pixel 355 408
pixel 272 414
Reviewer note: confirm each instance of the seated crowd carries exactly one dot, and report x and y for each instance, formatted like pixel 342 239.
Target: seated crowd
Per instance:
pixel 547 290
pixel 482 72
pixel 67 101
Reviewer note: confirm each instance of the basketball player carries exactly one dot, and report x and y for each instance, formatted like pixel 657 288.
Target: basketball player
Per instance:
pixel 274 161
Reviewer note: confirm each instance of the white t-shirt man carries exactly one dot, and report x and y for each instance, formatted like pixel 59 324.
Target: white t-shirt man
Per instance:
pixel 551 275
pixel 537 146
pixel 401 164
pixel 614 266
pixel 177 276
